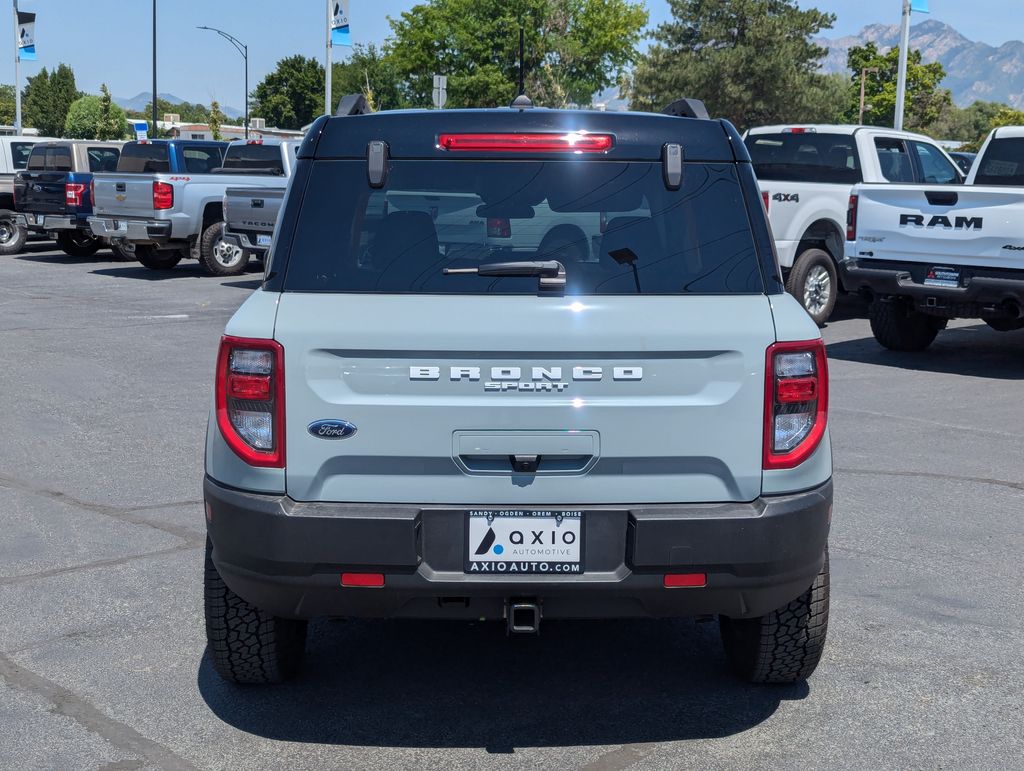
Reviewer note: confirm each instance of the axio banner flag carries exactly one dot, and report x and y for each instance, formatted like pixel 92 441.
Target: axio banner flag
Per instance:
pixel 26 36
pixel 919 6
pixel 339 23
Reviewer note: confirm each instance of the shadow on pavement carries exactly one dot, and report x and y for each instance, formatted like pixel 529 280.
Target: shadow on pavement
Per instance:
pixel 975 351
pixel 48 255
pixel 451 684
pixel 249 284
pixel 187 269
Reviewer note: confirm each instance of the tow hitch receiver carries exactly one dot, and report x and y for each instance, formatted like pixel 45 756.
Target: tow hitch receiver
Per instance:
pixel 523 616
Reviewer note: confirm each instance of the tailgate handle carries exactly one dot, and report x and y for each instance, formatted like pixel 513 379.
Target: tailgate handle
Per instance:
pixel 120 187
pixel 526 452
pixel 941 198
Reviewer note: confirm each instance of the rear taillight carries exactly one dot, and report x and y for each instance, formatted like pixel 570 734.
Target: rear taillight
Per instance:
pixel 73 192
pixel 499 227
pixel 573 142
pixel 851 218
pixel 92 191
pixel 163 195
pixel 766 197
pixel 795 402
pixel 250 399
pixel 603 221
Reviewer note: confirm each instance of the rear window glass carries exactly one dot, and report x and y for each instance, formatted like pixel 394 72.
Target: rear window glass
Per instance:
pixel 264 157
pixel 103 158
pixel 143 159
pixel 20 152
pixel 202 160
pixel 614 226
pixel 1002 163
pixel 37 158
pixel 805 157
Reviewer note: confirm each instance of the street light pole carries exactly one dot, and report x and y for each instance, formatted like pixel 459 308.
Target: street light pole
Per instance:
pixel 155 130
pixel 863 75
pixel 243 49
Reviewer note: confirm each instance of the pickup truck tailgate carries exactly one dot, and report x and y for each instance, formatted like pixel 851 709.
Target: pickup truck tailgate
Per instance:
pixel 42 192
pixel 960 225
pixel 128 195
pixel 252 211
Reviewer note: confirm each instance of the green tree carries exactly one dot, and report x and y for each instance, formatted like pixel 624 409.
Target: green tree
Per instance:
pixel 216 119
pixel 1004 116
pixel 112 123
pixel 63 93
pixel 83 119
pixel 751 61
pixel 574 48
pixel 6 105
pixel 925 100
pixel 37 104
pixel 369 71
pixel 292 95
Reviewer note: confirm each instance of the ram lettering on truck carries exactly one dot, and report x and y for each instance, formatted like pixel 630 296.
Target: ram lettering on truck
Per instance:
pixel 954 253
pixel 942 221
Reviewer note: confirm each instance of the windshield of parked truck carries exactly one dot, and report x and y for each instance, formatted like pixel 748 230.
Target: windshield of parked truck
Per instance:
pixel 615 227
pixel 805 157
pixel 1002 163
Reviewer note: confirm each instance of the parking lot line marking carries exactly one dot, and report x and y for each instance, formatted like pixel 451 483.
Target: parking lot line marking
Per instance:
pixel 8 580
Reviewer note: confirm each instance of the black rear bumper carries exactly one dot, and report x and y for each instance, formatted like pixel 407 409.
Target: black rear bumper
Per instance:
pixel 286 557
pixel 982 293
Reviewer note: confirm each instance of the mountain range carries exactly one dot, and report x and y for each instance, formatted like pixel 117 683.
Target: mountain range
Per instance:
pixel 140 100
pixel 973 70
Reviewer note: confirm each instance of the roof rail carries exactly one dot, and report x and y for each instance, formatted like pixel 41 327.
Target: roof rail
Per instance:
pixel 687 108
pixel 352 104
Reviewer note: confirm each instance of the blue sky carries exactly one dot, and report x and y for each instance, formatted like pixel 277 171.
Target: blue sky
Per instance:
pixel 109 40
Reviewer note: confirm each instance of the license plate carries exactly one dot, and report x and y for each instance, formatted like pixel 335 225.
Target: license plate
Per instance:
pixel 941 276
pixel 503 541
pixel 262 240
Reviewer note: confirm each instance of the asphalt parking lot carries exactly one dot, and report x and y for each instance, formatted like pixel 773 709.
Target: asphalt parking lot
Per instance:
pixel 105 376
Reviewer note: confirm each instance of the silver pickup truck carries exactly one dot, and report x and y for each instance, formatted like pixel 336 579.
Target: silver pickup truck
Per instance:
pixel 166 216
pixel 250 214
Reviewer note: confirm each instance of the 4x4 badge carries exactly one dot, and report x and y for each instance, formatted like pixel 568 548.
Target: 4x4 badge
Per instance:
pixel 331 429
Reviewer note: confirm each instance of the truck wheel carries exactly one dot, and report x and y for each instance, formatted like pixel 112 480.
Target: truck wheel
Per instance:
pixel 1005 325
pixel 784 646
pixel 154 259
pixel 75 243
pixel 12 237
pixel 898 327
pixel 246 644
pixel 814 282
pixel 220 257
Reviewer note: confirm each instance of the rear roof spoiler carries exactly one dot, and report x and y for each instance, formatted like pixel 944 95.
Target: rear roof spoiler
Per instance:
pixel 352 104
pixel 687 108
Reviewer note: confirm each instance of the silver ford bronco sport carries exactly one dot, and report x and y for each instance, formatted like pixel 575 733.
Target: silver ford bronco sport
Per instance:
pixel 416 417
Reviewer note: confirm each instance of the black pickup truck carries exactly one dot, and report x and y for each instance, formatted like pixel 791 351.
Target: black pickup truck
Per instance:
pixel 53 194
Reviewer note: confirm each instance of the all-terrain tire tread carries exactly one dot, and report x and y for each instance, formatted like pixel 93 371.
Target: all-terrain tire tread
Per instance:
pixel 901 329
pixel 246 644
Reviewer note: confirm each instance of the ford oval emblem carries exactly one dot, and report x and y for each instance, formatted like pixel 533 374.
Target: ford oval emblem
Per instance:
pixel 331 429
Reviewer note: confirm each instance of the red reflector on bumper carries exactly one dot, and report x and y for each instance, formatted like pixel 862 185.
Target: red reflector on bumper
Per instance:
pixel 680 580
pixel 362 579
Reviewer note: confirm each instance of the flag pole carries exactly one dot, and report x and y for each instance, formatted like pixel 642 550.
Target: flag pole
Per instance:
pixel 17 74
pixel 330 63
pixel 901 83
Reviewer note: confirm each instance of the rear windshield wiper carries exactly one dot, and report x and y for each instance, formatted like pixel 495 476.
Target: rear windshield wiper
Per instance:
pixel 550 272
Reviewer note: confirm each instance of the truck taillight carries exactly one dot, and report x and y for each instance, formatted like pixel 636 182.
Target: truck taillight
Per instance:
pixel 73 192
pixel 498 227
pixel 250 399
pixel 163 195
pixel 92 191
pixel 851 218
pixel 766 197
pixel 795 402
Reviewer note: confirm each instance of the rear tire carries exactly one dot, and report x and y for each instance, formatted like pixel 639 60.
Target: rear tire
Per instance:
pixel 784 646
pixel 76 243
pixel 154 259
pixel 246 644
pixel 12 237
pixel 219 257
pixel 1005 325
pixel 898 327
pixel 814 282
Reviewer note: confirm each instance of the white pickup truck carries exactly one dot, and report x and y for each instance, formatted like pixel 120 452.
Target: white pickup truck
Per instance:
pixel 806 173
pixel 925 254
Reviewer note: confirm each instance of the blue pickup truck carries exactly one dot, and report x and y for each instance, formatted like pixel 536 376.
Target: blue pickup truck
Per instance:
pixel 53 193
